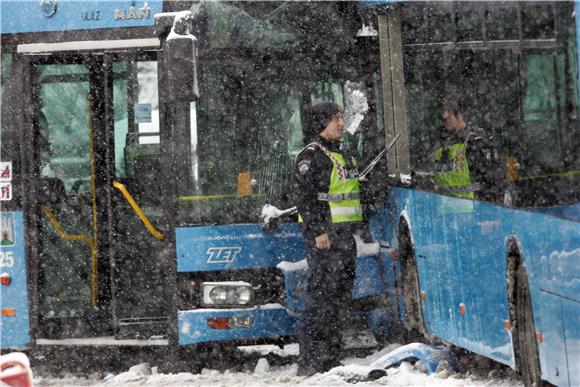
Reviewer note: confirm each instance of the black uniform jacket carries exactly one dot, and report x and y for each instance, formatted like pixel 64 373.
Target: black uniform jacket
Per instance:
pixel 312 175
pixel 485 165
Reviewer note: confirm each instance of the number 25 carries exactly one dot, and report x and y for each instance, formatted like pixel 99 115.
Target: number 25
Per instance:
pixel 6 259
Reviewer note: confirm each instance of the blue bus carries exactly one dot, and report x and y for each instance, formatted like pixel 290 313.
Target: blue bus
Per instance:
pixel 135 176
pixel 498 275
pixel 140 142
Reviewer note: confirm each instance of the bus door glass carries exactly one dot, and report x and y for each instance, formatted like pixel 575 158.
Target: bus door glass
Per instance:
pixel 140 305
pixel 97 143
pixel 69 289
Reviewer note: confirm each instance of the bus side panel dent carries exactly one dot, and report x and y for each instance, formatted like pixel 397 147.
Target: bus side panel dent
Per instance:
pixel 14 321
pixel 479 237
pixel 461 264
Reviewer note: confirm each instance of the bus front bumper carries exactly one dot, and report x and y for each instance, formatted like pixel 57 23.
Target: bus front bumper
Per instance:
pixel 269 321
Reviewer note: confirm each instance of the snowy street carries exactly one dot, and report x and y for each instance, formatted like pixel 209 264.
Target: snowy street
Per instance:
pixel 257 371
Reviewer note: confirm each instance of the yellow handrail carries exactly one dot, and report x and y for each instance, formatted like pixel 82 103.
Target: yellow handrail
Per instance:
pixel 76 237
pixel 138 210
pixel 67 237
pixel 557 174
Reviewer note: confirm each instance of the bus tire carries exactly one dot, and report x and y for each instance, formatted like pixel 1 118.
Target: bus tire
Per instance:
pixel 413 318
pixel 524 332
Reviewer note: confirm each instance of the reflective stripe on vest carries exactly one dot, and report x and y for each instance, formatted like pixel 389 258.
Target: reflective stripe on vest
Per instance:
pixel 343 195
pixel 330 198
pixel 457 180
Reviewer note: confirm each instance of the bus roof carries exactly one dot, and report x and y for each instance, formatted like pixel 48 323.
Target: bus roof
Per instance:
pixel 24 16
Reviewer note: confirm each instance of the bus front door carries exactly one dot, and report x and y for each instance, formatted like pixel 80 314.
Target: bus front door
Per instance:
pixel 95 151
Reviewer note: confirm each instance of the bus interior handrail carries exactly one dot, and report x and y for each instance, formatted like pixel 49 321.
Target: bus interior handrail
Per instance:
pixel 78 237
pixel 121 187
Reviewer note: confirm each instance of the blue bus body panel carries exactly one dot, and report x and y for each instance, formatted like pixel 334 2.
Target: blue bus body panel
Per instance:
pixel 14 330
pixel 370 276
pixel 270 321
pixel 461 259
pixel 20 16
pixel 371 279
pixel 236 247
pixel 571 212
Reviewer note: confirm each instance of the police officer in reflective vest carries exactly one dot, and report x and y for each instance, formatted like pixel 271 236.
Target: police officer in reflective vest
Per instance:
pixel 330 211
pixel 468 164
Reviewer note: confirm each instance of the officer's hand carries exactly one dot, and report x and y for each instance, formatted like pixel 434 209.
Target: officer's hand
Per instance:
pixel 322 242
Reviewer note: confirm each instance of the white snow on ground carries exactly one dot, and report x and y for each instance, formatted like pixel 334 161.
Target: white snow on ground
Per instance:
pixel 263 374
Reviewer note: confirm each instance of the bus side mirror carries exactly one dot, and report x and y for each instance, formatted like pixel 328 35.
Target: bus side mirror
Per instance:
pixel 180 60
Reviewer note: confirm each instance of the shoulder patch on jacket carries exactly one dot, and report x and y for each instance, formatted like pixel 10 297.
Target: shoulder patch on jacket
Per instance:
pixel 308 148
pixel 304 166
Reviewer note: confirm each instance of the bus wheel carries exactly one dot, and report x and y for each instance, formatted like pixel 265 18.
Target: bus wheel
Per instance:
pixel 525 333
pixel 413 318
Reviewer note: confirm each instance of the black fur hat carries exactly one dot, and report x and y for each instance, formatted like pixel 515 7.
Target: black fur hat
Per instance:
pixel 321 114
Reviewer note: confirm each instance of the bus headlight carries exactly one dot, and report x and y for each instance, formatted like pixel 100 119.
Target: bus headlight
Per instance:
pixel 218 295
pixel 227 293
pixel 244 295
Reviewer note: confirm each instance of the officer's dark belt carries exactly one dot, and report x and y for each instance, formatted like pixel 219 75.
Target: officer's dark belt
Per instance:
pixel 335 197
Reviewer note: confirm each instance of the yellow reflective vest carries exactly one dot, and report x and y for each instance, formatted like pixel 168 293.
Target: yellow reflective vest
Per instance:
pixel 343 194
pixel 455 179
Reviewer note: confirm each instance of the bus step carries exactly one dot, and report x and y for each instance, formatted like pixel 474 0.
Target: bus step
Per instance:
pixel 105 341
pixel 142 328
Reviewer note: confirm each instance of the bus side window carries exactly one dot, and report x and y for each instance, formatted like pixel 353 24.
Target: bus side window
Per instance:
pixel 542 145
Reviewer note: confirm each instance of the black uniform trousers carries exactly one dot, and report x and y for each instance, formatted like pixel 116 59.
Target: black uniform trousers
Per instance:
pixel 327 304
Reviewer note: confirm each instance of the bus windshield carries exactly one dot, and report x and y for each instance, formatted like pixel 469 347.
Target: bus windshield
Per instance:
pixel 246 133
pixel 248 129
pixel 255 84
